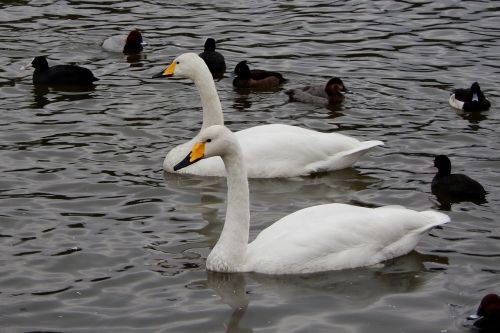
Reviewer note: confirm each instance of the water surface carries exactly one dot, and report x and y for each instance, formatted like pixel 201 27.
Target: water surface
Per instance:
pixel 95 238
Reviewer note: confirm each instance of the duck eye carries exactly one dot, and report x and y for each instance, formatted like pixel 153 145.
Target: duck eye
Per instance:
pixel 209 140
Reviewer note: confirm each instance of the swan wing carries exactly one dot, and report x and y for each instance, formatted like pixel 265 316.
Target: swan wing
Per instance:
pixel 277 150
pixel 338 236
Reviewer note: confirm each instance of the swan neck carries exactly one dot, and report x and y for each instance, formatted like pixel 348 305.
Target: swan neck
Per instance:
pixel 212 109
pixel 229 252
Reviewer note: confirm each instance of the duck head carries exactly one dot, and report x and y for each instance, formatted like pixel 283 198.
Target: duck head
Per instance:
pixel 334 88
pixel 475 100
pixel 488 314
pixel 209 45
pixel 443 164
pixel 242 70
pixel 134 42
pixel 40 63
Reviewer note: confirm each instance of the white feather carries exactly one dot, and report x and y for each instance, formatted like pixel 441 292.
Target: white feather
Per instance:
pixel 457 104
pixel 115 43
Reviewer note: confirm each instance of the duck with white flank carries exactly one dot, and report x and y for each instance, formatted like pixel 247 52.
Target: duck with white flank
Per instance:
pixel 329 94
pixel 469 100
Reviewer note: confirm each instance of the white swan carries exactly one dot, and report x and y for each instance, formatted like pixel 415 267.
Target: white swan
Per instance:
pixel 318 238
pixel 269 151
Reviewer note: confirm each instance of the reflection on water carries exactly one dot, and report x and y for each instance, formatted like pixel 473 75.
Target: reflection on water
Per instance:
pixel 68 94
pixel 355 286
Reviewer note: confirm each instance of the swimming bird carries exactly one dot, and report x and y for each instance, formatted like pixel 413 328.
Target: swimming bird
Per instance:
pixel 488 314
pixel 329 94
pixel 255 78
pixel 469 100
pixel 129 44
pixel 270 151
pixel 318 238
pixel 60 74
pixel 214 60
pixel 454 187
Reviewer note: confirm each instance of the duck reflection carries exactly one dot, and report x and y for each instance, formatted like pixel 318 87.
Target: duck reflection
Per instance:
pixel 136 60
pixel 68 93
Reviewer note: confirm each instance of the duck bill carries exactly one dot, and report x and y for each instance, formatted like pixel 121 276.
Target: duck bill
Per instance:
pixel 196 154
pixel 167 72
pixel 473 317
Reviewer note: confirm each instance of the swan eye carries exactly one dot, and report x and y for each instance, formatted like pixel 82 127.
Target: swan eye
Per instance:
pixel 209 140
pixel 177 62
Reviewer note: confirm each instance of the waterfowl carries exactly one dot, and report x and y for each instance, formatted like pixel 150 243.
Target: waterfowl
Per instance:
pixel 329 94
pixel 255 78
pixel 60 74
pixel 128 44
pixel 454 187
pixel 319 238
pixel 214 60
pixel 488 314
pixel 469 100
pixel 274 150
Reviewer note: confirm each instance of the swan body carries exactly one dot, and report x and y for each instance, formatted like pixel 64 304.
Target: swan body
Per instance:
pixel 274 150
pixel 314 239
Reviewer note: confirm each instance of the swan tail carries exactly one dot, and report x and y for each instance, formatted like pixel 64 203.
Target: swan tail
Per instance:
pixel 437 218
pixel 344 159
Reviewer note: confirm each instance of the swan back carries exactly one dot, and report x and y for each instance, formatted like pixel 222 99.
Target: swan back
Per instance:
pixel 338 236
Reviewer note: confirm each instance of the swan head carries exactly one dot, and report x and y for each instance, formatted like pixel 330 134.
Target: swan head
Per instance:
pixel 216 140
pixel 187 65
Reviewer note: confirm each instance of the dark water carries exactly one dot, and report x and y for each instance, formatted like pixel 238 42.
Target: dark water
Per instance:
pixel 95 238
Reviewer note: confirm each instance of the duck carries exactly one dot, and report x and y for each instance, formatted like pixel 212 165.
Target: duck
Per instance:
pixel 455 187
pixel 132 43
pixel 319 238
pixel 469 100
pixel 288 151
pixel 329 94
pixel 255 78
pixel 487 316
pixel 214 60
pixel 60 74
